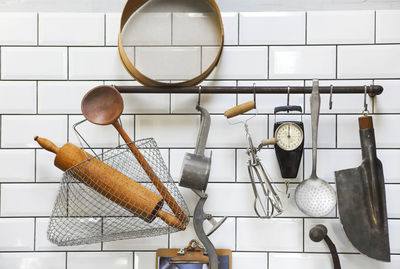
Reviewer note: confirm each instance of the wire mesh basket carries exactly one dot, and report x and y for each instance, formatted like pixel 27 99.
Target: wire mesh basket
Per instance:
pixel 110 197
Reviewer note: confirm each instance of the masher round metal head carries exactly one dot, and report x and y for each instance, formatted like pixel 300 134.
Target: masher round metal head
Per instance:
pixel 102 105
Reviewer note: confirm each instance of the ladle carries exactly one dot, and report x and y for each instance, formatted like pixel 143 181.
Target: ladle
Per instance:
pixel 314 196
pixel 102 106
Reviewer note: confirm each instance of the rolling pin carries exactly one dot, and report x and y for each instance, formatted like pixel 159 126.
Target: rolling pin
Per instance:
pixel 110 183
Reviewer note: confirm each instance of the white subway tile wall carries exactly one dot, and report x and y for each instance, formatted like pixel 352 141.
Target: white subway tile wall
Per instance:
pixel 48 61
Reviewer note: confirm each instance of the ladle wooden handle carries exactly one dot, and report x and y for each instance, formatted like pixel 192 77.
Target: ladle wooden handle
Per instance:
pixel 239 109
pixel 152 175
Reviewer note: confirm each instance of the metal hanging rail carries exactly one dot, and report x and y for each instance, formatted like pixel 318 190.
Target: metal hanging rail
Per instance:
pixel 372 90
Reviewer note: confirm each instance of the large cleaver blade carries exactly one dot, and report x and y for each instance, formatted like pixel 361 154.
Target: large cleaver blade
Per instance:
pixel 362 201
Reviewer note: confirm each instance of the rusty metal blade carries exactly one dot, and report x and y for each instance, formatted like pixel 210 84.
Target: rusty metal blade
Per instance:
pixel 362 208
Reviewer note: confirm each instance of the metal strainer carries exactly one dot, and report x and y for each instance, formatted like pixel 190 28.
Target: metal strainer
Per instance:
pixel 314 196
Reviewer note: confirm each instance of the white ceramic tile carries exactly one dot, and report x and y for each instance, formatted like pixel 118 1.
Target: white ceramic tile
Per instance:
pixel 244 259
pixel 265 234
pixel 99 135
pixel 206 26
pixel 341 103
pixel 214 103
pixel 387 101
pixel 230 20
pixel 17 165
pixel 385 131
pixel 272 28
pixel 369 61
pixel 326 130
pixel 33 63
pixel 168 62
pixel 17 97
pixel 392 200
pixel 394 233
pixel 222 164
pixel 145 260
pixel 387 26
pixel 32 260
pixel 147 243
pixel 43 244
pixel 19 131
pixel 45 171
pixel 299 260
pixel 391 168
pixel 299 62
pixel 168 130
pixel 267 102
pixel 18 28
pixel 71 29
pixel 335 233
pixel 112 28
pixel 237 62
pixel 101 260
pixel 237 199
pixel 195 29
pixel 326 168
pixel 27 199
pixel 355 261
pixel 60 97
pixel 224 134
pixel 144 28
pixel 16 234
pixel 96 63
pixel 340 27
pixel 223 238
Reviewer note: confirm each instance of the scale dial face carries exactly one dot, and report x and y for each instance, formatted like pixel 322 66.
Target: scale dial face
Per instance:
pixel 289 136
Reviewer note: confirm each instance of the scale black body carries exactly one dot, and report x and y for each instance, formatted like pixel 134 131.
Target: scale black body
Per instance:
pixel 289 160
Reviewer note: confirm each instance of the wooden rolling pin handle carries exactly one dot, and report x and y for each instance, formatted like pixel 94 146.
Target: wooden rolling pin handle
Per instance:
pixel 271 141
pixel 47 144
pixel 171 220
pixel 240 109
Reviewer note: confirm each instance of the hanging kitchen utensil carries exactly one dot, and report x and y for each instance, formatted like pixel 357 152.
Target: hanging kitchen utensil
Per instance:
pixel 362 200
pixel 130 8
pixel 109 196
pixel 195 175
pixel 289 145
pixel 268 204
pixel 320 232
pixel 103 105
pixel 196 167
pixel 314 196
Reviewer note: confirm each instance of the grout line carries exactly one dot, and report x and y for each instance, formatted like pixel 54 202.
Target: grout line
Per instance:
pixel 374 27
pixel 35 165
pixel 268 60
pixel 172 29
pixel 306 28
pixel 34 234
pixel 37 29
pixel 105 29
pixel 238 29
pixel 37 97
pixel 337 61
pixel 68 63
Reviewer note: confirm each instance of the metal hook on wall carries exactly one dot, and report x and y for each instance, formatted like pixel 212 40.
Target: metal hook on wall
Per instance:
pixel 288 96
pixel 330 98
pixel 199 97
pixel 365 111
pixel 254 95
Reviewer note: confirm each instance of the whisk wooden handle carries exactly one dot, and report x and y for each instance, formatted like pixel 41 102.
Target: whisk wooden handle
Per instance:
pixel 239 109
pixel 152 175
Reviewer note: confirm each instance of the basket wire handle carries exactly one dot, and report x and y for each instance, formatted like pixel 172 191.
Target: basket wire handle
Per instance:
pixel 80 139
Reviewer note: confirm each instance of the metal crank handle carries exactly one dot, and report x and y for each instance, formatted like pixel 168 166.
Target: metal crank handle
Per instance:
pixel 319 233
pixel 198 219
pixel 266 142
